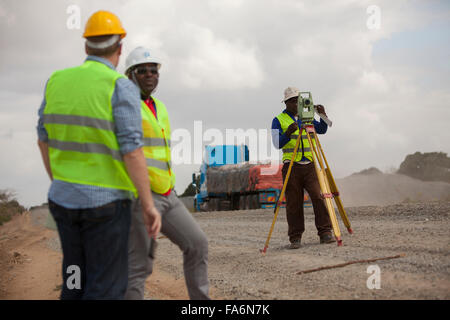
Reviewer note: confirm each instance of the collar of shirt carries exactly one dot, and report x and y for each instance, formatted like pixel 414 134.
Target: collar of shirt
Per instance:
pixel 151 105
pixel 101 60
pixel 290 115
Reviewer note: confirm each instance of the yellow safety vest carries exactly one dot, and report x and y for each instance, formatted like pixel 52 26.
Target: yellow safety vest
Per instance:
pixel 304 149
pixel 157 147
pixel 79 120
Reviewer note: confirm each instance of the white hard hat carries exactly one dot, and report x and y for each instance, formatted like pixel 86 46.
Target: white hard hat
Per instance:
pixel 138 56
pixel 290 92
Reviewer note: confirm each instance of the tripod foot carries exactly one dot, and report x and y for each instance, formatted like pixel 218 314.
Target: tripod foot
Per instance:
pixel 350 230
pixel 339 241
pixel 263 251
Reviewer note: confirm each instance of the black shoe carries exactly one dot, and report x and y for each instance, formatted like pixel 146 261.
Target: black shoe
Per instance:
pixel 295 244
pixel 326 238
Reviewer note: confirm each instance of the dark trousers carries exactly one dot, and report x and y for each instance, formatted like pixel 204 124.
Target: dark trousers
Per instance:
pixel 303 176
pixel 95 249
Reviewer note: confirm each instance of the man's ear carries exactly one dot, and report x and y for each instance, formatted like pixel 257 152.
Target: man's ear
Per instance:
pixel 120 49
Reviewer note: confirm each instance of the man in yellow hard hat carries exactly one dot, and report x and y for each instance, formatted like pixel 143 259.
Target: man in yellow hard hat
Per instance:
pixel 90 138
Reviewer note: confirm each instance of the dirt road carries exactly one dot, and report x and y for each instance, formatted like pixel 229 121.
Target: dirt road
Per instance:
pixel 30 257
pixel 30 261
pixel 239 271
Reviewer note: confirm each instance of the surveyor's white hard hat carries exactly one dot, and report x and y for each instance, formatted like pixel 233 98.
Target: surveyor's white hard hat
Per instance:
pixel 290 92
pixel 140 55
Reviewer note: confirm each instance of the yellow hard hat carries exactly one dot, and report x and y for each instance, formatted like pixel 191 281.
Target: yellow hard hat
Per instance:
pixel 103 23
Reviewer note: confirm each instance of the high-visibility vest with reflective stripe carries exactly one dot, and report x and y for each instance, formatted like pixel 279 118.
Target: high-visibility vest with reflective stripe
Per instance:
pixel 157 147
pixel 79 120
pixel 304 149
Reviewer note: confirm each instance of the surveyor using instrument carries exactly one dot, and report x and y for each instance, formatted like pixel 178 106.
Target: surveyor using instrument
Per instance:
pixel 90 138
pixel 177 222
pixel 285 130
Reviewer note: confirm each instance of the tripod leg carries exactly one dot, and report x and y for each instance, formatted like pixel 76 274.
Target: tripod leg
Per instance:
pixel 280 198
pixel 338 201
pixel 318 165
pixel 334 189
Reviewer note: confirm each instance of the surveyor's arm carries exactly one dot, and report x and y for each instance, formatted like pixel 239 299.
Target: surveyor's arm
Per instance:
pixel 43 147
pixel 279 139
pixel 137 169
pixel 321 126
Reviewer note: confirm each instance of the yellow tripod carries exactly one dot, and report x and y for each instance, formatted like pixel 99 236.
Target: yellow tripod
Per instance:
pixel 327 184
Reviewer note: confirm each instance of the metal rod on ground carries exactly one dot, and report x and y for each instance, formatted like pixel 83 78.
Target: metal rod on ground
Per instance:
pixel 280 198
pixel 350 262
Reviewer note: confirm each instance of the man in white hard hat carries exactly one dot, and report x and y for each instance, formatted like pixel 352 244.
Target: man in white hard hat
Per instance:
pixel 177 222
pixel 285 131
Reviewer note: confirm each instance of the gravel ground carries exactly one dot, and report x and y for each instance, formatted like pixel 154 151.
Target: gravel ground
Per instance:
pixel 239 271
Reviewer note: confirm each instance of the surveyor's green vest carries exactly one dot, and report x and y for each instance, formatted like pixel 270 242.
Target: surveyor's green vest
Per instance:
pixel 79 120
pixel 157 147
pixel 304 149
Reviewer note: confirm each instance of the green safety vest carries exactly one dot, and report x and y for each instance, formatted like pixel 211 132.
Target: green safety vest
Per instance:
pixel 157 147
pixel 304 149
pixel 79 120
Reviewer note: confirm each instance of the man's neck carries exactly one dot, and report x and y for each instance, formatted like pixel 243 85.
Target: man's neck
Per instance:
pixel 145 96
pixel 292 114
pixel 114 59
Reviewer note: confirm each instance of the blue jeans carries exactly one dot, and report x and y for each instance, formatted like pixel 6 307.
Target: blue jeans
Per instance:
pixel 95 250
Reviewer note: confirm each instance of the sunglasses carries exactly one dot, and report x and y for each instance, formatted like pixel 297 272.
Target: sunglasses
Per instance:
pixel 144 70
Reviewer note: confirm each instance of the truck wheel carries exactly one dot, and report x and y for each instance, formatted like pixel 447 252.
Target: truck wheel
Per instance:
pixel 209 205
pixel 255 201
pixel 248 202
pixel 241 202
pixel 235 202
pixel 212 204
pixel 218 206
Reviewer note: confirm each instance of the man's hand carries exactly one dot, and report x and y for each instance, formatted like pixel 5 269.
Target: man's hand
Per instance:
pixel 152 220
pixel 291 129
pixel 320 109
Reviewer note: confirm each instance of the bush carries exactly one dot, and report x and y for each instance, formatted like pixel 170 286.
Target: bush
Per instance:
pixel 9 206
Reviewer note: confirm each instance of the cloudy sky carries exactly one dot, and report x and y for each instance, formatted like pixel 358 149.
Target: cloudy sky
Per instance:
pixel 380 68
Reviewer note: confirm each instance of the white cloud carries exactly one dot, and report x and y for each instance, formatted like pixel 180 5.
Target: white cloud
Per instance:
pixel 373 81
pixel 211 62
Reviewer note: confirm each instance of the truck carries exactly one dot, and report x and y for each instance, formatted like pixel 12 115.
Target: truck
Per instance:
pixel 228 181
